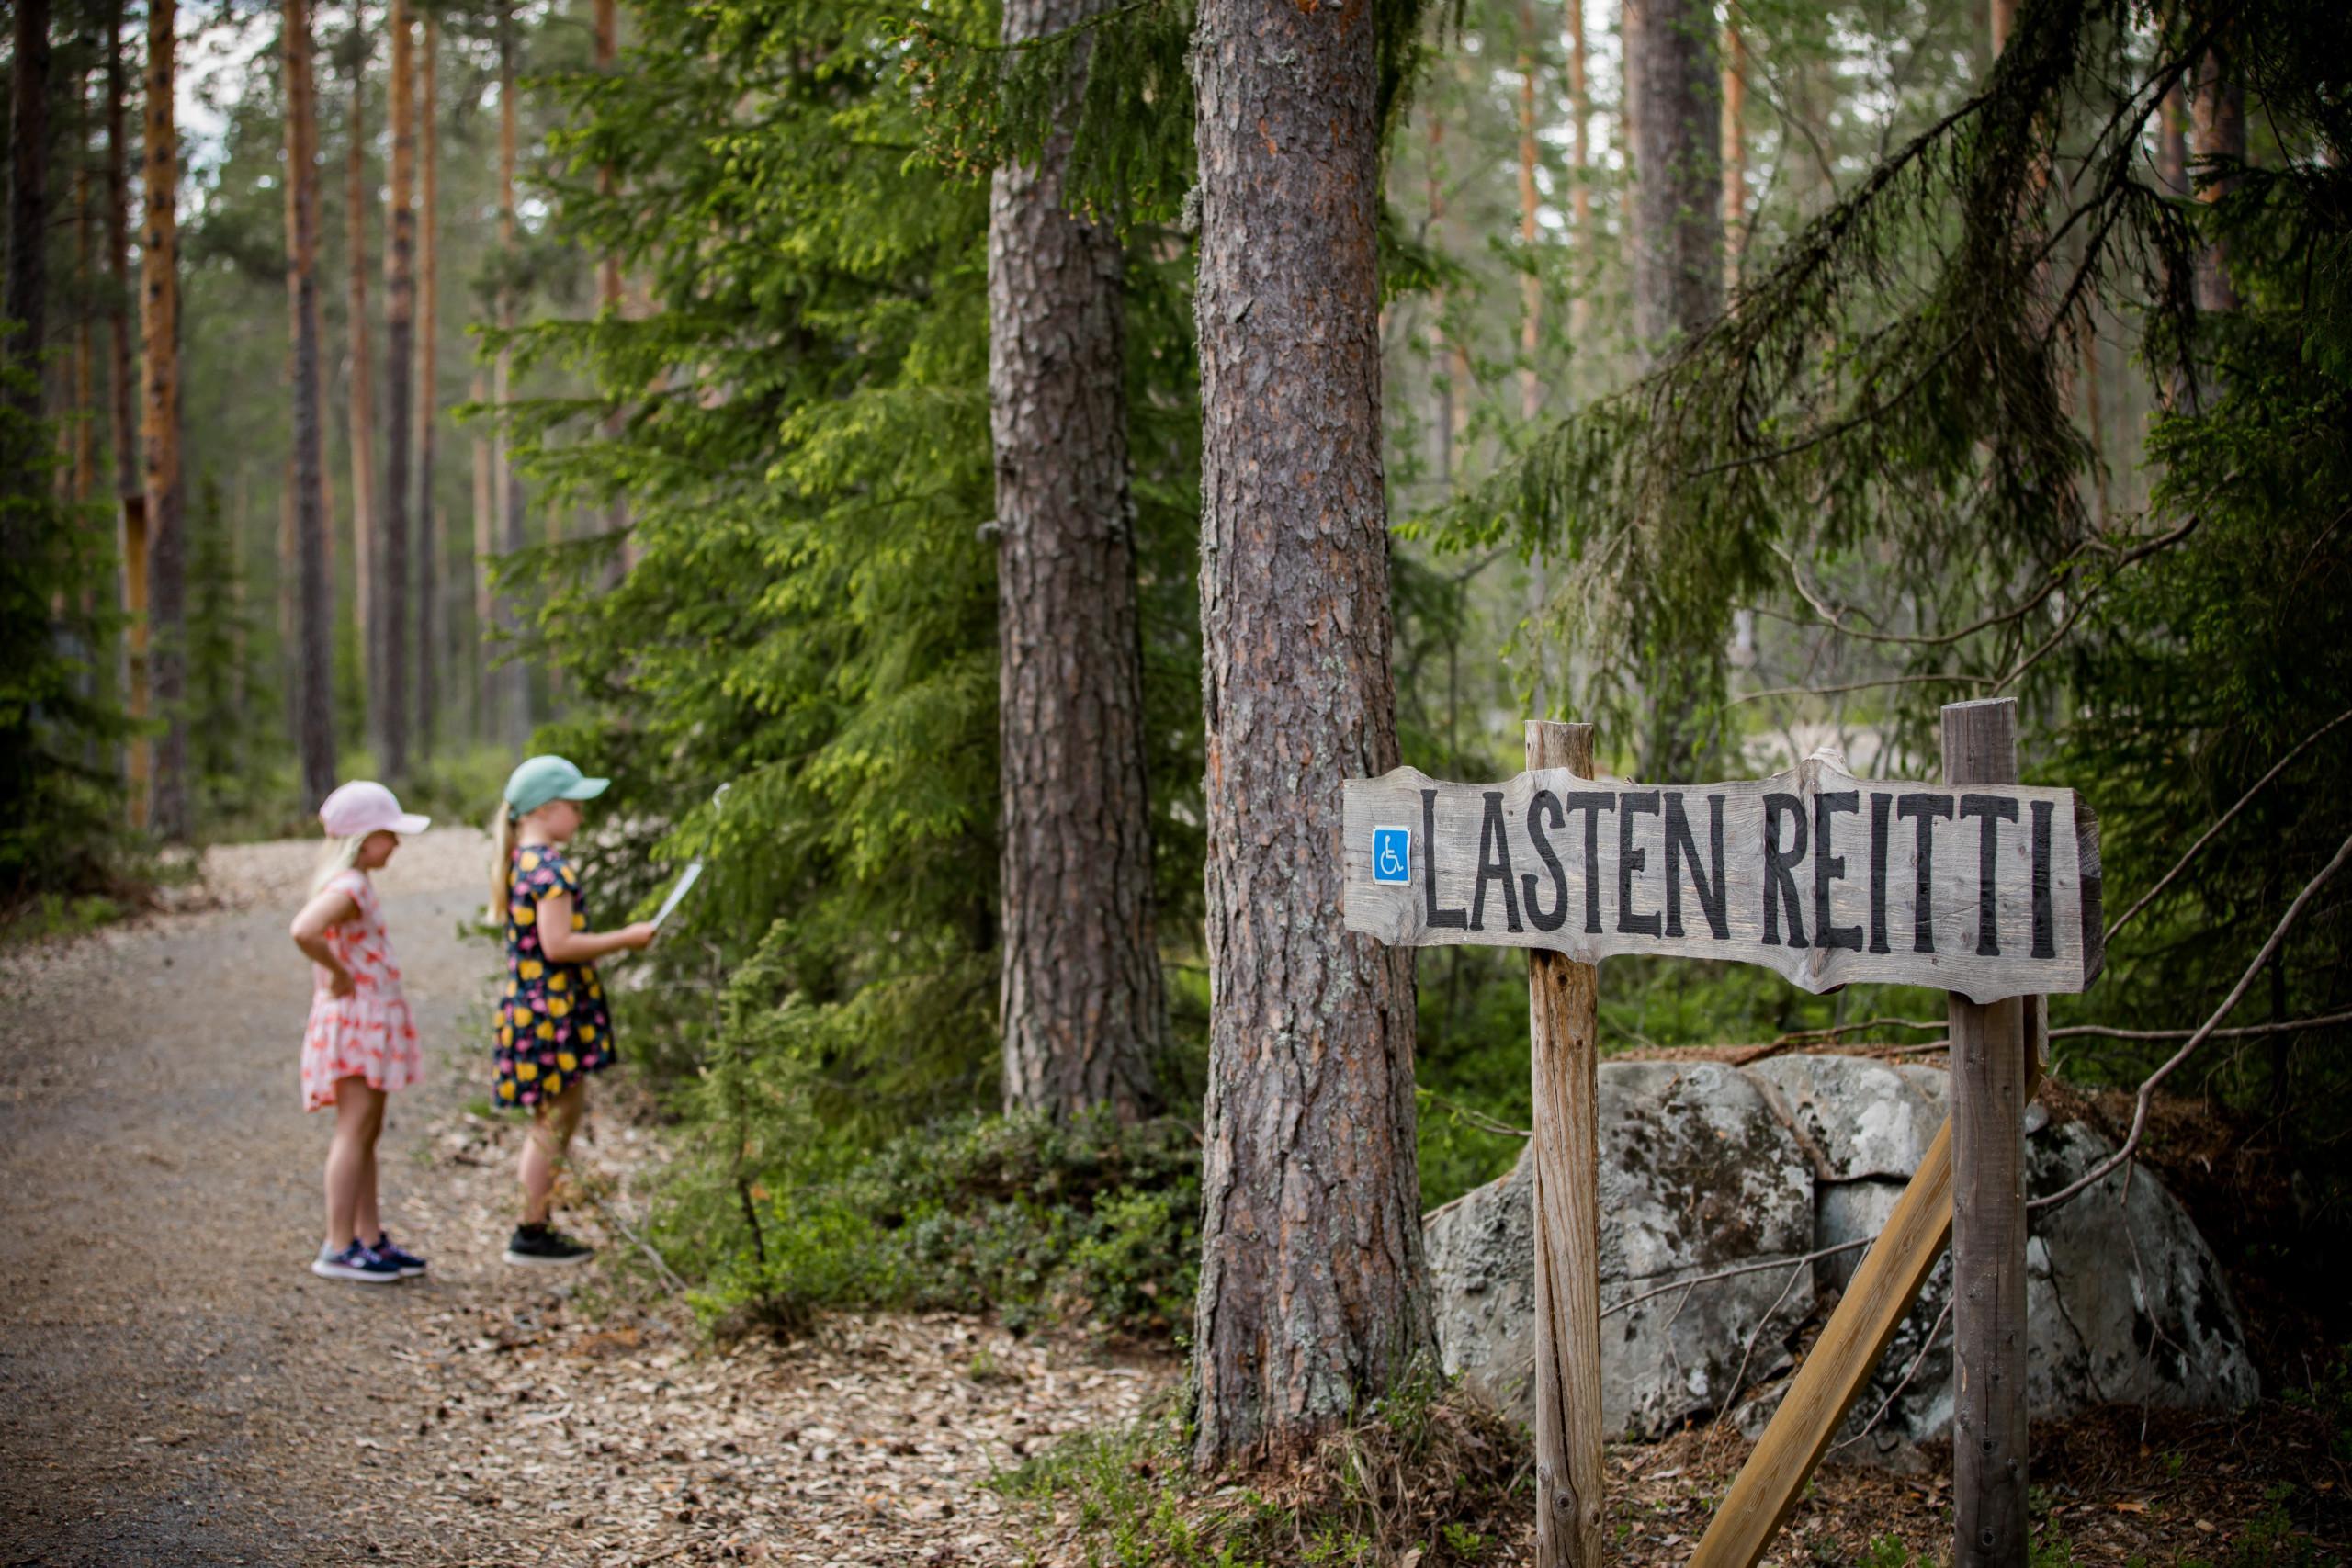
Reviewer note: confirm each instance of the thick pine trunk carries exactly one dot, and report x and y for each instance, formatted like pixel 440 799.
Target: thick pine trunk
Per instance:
pixel 1314 1291
pixel 359 407
pixel 1083 1013
pixel 400 350
pixel 1678 193
pixel 429 632
pixel 160 420
pixel 315 659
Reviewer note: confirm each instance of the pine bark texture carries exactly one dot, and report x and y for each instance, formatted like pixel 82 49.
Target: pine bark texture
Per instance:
pixel 2219 144
pixel 159 322
pixel 1531 285
pixel 514 676
pixel 1083 1010
pixel 127 477
pixel 1314 1291
pixel 1677 195
pixel 359 406
pixel 430 555
pixel 1579 176
pixel 314 658
pixel 608 269
pixel 400 355
pixel 1735 111
pixel 27 305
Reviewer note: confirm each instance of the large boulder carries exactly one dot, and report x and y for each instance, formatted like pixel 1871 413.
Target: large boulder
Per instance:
pixel 1705 1166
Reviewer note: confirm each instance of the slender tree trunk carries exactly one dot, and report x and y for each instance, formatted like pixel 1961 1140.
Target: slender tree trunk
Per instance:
pixel 1440 363
pixel 85 267
pixel 23 338
pixel 2219 145
pixel 1677 201
pixel 609 301
pixel 314 661
pixel 128 478
pixel 517 671
pixel 1083 1013
pixel 1531 287
pixel 1314 1291
pixel 429 632
pixel 486 723
pixel 160 421
pixel 1579 176
pixel 2172 142
pixel 359 406
pixel 400 364
pixel 1734 154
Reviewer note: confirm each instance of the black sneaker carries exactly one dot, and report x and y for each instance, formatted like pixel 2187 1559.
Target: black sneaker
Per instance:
pixel 407 1262
pixel 543 1244
pixel 358 1263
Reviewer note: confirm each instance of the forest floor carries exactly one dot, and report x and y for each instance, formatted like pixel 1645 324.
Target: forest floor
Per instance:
pixel 175 1387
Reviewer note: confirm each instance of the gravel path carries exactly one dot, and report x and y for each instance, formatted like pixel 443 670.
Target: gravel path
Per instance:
pixel 176 1388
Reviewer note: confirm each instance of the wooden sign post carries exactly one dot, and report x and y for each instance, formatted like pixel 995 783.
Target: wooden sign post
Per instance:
pixel 1982 887
pixel 1564 1025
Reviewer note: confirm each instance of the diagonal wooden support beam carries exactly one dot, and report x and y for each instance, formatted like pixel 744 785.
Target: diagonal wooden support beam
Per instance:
pixel 1883 1289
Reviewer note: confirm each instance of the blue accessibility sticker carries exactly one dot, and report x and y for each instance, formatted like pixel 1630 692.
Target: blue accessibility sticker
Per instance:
pixel 1392 855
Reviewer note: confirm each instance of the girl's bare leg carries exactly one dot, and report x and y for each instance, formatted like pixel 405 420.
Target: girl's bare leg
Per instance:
pixel 543 1148
pixel 366 1214
pixel 356 1109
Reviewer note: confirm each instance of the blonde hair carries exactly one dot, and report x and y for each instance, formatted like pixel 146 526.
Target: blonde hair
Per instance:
pixel 503 831
pixel 339 856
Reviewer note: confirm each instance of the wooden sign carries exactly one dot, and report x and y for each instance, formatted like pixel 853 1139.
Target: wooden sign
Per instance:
pixel 1987 890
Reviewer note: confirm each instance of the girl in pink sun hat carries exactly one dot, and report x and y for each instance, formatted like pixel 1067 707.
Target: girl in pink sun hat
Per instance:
pixel 361 1042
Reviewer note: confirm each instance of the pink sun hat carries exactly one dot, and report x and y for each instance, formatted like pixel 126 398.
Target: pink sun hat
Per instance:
pixel 364 806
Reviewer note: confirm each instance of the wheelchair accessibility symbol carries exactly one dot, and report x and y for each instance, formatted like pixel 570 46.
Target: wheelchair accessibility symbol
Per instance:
pixel 1392 855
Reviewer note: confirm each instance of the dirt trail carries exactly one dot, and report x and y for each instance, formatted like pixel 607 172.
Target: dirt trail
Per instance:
pixel 176 1388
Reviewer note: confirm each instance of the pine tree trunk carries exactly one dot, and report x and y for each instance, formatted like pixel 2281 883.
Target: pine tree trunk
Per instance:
pixel 24 336
pixel 1678 193
pixel 1734 154
pixel 1314 1291
pixel 1441 363
pixel 609 276
pixel 516 671
pixel 2172 142
pixel 2218 134
pixel 1083 1013
pixel 429 632
pixel 160 422
pixel 486 725
pixel 314 658
pixel 1531 287
pixel 87 292
pixel 1579 177
pixel 128 479
pixel 400 351
pixel 360 405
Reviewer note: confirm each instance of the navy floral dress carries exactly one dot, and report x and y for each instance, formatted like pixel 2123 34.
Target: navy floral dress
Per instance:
pixel 553 1027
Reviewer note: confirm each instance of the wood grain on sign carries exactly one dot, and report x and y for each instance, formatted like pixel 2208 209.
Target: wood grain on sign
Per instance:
pixel 1988 890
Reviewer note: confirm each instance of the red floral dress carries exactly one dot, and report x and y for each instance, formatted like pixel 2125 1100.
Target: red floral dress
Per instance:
pixel 553 1027
pixel 370 1033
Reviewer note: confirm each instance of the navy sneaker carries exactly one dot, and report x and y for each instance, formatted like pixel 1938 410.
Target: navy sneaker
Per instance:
pixel 408 1263
pixel 357 1263
pixel 541 1245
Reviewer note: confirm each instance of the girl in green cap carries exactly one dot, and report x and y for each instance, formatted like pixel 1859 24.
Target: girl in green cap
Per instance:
pixel 553 1028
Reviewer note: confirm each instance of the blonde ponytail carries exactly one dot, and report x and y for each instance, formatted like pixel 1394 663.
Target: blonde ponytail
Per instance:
pixel 340 856
pixel 503 830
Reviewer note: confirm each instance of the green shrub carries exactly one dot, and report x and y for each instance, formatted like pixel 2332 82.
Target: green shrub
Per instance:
pixel 1088 1221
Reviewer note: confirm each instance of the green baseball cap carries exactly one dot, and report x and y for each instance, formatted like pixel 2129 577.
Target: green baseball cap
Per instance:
pixel 542 779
